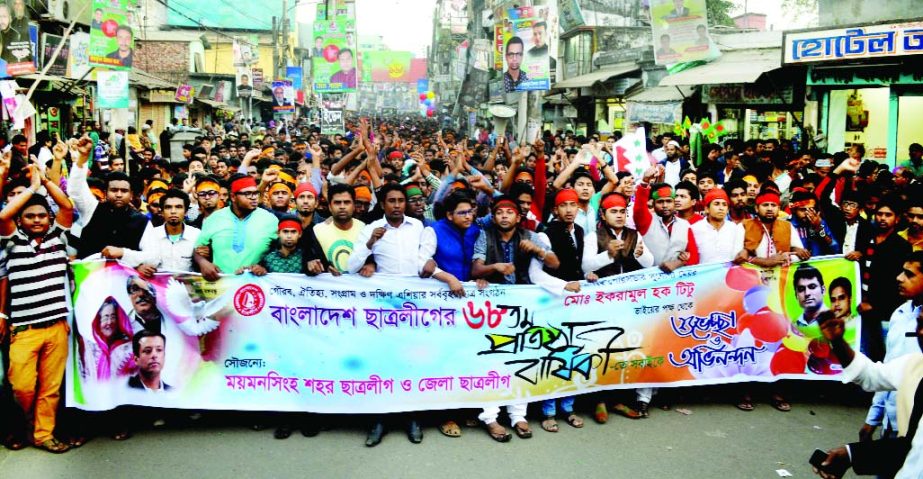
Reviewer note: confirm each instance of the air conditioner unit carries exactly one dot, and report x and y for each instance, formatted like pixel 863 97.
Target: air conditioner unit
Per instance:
pixel 64 10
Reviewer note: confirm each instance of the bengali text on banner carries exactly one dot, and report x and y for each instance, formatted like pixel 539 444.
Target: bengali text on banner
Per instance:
pixel 354 345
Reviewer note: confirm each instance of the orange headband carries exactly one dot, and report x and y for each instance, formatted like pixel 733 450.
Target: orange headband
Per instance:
pixel 279 186
pixel 207 185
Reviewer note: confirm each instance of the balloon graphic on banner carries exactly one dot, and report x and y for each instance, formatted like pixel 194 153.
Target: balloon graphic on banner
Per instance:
pixel 740 278
pixel 431 95
pixel 756 298
pixel 765 325
pixel 786 361
pixel 422 96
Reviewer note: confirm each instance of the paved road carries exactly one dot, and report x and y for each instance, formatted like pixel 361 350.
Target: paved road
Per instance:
pixel 716 440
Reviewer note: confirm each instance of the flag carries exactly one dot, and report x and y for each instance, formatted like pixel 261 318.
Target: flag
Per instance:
pixel 631 154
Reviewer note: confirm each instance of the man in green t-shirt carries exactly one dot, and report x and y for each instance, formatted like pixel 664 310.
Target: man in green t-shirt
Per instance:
pixel 237 235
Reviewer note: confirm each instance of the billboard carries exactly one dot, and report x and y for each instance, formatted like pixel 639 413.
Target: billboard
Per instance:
pixel 680 29
pixel 335 69
pixel 112 38
pixel 391 66
pixel 526 48
pixel 232 15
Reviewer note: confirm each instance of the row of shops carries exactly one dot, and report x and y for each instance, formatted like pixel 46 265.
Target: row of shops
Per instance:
pixel 831 87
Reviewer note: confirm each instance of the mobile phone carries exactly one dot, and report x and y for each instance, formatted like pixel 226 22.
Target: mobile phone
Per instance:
pixel 817 460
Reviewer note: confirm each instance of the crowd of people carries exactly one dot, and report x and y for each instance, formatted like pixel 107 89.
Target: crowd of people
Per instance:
pixel 410 198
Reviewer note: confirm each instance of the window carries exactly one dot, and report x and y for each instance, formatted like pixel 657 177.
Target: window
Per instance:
pixel 578 54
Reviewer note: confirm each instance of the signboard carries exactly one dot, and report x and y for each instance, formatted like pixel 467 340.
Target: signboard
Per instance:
pixel 79 55
pixel 112 89
pixel 347 344
pixel 571 15
pixel 244 81
pixel 529 39
pixel 331 122
pixel 680 30
pixel 335 69
pixel 185 94
pixel 665 113
pixel 885 40
pixel 112 39
pixel 257 79
pixel 747 94
pixel 19 51
pixel 49 44
pixel 283 96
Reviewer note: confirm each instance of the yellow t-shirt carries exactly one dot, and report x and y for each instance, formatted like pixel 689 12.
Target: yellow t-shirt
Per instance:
pixel 917 246
pixel 336 243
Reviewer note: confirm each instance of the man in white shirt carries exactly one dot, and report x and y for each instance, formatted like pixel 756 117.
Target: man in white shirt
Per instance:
pixel 901 457
pixel 724 239
pixel 883 411
pixel 393 242
pixel 167 247
pixel 391 246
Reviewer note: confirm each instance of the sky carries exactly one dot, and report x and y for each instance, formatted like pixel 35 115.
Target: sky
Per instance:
pixel 405 25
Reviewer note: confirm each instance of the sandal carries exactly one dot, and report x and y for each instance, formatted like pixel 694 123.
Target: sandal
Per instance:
pixel 602 414
pixel 550 425
pixel 626 411
pixel 745 404
pixel 121 435
pixel 643 410
pixel 75 442
pixel 497 432
pixel 522 430
pixel 54 446
pixel 450 429
pixel 14 443
pixel 574 421
pixel 780 403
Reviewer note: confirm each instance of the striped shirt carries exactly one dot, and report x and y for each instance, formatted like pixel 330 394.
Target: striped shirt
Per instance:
pixel 37 275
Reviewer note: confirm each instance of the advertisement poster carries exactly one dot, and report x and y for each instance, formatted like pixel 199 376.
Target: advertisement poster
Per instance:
pixel 112 39
pixel 335 69
pixel 113 89
pixel 527 52
pixel 296 76
pixel 79 55
pixel 387 344
pixel 331 122
pixel 283 96
pixel 244 81
pixel 49 44
pixel 244 52
pixel 20 47
pixel 185 94
pixel 680 29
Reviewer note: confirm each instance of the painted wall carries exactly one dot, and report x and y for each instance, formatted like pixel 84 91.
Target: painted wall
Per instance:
pixel 909 127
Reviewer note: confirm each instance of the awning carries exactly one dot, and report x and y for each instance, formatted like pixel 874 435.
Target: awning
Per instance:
pixel 662 94
pixel 598 76
pixel 734 66
pixel 146 80
pixel 218 105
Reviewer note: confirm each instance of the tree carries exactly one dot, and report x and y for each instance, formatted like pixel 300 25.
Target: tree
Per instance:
pixel 719 12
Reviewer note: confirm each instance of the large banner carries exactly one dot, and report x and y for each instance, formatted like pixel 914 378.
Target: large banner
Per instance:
pixel 335 60
pixel 526 47
pixel 354 345
pixel 680 29
pixel 112 88
pixel 112 38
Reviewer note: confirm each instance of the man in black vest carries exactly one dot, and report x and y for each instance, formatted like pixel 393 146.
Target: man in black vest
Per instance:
pixel 504 253
pixel 567 243
pixel 109 226
pixel 900 457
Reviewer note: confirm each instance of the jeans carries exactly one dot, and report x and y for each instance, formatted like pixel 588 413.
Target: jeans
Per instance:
pixel 567 406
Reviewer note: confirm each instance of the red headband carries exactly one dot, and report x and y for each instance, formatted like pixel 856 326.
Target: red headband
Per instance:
pixel 566 194
pixel 614 201
pixel 305 188
pixel 663 192
pixel 505 203
pixel 768 197
pixel 716 194
pixel 290 224
pixel 241 183
pixel 801 204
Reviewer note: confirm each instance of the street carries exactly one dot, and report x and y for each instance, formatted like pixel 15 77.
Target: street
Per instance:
pixel 715 440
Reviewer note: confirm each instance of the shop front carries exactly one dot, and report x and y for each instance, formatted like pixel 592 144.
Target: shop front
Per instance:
pixel 750 93
pixel 599 97
pixel 866 81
